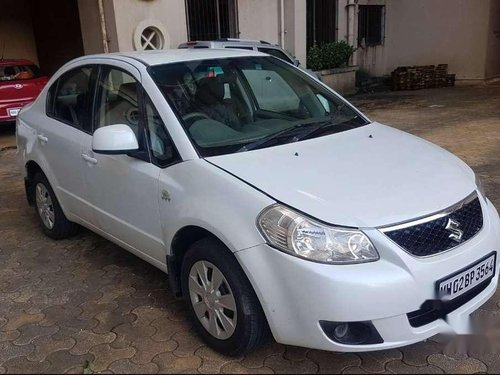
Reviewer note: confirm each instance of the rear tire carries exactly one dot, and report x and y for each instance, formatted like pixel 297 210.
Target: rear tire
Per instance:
pixel 48 211
pixel 229 319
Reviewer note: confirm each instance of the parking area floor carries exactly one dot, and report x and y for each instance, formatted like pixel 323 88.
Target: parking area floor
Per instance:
pixel 85 305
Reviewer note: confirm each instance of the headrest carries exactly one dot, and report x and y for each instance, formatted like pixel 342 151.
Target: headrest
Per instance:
pixel 210 90
pixel 227 77
pixel 128 91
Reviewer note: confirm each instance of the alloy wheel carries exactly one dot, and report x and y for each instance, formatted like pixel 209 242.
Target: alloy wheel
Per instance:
pixel 212 300
pixel 44 205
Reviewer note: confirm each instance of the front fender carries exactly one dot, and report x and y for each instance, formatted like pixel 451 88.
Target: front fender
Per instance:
pixel 205 196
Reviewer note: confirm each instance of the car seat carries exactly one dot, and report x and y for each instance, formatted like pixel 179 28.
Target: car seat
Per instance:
pixel 209 99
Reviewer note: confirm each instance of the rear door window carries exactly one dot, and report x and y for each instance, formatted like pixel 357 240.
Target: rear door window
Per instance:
pixel 70 97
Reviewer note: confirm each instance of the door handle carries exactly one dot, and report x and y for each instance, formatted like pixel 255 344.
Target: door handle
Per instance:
pixel 88 159
pixel 42 138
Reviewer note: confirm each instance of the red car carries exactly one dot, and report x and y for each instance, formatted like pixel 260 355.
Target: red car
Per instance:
pixel 20 84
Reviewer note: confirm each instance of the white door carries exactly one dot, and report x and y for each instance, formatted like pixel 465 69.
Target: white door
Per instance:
pixel 124 188
pixel 61 135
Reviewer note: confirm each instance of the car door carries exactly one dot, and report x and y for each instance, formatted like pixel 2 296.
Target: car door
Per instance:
pixel 123 189
pixel 61 134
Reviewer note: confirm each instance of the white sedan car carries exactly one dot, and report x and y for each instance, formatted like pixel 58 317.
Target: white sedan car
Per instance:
pixel 272 203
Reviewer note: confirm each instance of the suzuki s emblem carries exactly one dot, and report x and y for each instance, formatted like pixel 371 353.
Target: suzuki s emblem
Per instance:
pixel 18 86
pixel 453 227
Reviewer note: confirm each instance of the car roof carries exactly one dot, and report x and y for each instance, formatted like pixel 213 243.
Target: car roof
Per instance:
pixel 166 56
pixel 10 62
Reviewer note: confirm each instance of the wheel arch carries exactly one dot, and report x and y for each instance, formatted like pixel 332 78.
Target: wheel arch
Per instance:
pixel 181 241
pixel 32 168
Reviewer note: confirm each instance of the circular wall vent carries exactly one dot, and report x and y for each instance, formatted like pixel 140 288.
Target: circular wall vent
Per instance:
pixel 150 35
pixel 151 38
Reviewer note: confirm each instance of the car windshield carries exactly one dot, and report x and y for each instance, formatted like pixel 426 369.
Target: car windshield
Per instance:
pixel 239 104
pixel 18 72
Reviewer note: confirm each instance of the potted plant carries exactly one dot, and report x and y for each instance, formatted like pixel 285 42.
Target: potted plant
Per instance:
pixel 331 62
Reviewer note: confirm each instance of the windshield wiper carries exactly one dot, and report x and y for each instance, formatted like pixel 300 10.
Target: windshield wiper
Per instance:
pixel 273 136
pixel 318 126
pixel 326 125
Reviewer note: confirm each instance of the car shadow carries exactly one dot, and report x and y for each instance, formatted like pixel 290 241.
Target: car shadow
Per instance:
pixel 7 135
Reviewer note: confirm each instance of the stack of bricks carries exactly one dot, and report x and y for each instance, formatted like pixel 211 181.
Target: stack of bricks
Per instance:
pixel 441 72
pixel 421 77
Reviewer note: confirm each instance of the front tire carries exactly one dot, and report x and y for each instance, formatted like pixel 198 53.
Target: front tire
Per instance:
pixel 220 299
pixel 49 213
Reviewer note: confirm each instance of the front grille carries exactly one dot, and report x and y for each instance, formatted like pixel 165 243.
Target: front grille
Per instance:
pixel 429 237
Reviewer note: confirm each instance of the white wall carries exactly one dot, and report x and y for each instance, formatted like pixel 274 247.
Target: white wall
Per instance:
pixel 259 19
pixel 421 32
pixel 170 13
pixel 460 33
pixel 295 28
pixel 493 52
pixel 300 31
pixel 91 26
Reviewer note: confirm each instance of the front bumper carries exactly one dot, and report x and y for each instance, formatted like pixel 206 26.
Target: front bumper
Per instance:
pixel 297 294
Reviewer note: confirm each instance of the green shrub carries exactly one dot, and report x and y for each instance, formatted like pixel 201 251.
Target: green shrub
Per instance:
pixel 329 55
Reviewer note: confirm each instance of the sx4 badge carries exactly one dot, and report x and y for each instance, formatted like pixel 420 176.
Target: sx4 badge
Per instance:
pixel 456 232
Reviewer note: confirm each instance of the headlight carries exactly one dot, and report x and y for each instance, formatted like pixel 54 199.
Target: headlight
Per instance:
pixel 299 235
pixel 480 186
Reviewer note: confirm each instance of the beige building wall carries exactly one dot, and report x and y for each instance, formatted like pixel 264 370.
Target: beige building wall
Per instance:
pixel 295 28
pixel 462 33
pixel 259 19
pixel 493 52
pixel 170 15
pixel 91 26
pixel 422 32
pixel 16 31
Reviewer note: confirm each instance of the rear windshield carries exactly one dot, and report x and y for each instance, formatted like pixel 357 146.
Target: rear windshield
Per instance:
pixel 18 72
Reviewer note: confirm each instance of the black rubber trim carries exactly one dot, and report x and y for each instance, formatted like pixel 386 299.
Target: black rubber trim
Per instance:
pixel 432 310
pixel 173 276
pixel 28 190
pixel 115 152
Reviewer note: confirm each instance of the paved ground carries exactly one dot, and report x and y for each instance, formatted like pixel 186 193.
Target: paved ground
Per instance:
pixel 84 305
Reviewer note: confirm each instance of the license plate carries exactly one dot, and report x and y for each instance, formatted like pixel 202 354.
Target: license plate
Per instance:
pixel 14 112
pixel 463 281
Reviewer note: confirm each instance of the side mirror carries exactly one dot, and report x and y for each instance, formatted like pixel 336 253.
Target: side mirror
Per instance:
pixel 296 62
pixel 114 140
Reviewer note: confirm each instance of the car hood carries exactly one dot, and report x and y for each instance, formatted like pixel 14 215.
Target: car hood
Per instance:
pixel 366 177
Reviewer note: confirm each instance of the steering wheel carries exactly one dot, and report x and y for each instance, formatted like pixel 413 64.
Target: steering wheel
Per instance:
pixel 193 115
